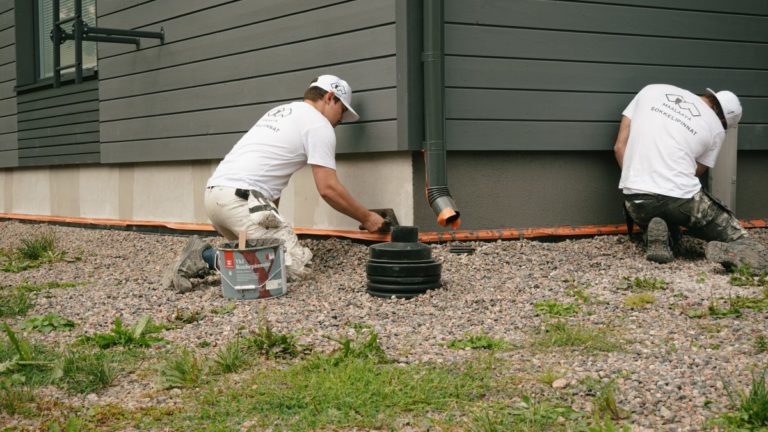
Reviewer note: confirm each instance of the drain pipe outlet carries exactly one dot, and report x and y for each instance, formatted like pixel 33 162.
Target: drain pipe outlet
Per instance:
pixel 434 117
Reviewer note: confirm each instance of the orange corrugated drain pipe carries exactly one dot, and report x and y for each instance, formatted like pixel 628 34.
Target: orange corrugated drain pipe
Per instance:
pixel 425 237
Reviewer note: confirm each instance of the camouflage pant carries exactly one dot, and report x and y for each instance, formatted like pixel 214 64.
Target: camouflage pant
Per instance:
pixel 703 216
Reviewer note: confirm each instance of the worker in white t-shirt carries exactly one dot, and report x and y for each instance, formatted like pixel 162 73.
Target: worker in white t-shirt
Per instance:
pixel 243 193
pixel 668 137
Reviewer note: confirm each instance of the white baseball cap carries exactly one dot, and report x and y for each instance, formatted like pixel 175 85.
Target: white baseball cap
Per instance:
pixel 730 105
pixel 342 90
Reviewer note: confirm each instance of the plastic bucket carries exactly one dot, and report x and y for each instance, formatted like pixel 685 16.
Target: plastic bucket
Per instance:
pixel 256 272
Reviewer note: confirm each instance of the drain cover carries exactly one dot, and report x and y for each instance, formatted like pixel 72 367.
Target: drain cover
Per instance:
pixel 402 268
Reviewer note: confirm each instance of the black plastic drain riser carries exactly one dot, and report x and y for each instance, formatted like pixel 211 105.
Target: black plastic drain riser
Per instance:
pixel 404 269
pixel 404 280
pixel 404 288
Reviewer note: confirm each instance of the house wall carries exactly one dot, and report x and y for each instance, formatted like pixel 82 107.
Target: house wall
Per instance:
pixel 173 191
pixel 224 64
pixel 9 153
pixel 535 90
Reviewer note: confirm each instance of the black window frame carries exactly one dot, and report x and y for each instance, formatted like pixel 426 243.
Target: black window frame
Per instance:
pixel 27 59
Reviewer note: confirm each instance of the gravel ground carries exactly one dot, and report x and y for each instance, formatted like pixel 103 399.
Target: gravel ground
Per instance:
pixel 669 372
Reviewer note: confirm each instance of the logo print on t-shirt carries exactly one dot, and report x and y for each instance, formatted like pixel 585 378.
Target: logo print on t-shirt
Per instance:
pixel 683 104
pixel 339 88
pixel 282 111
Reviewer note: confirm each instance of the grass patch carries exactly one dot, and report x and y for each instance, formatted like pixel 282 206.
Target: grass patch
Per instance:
pixel 14 303
pixel 743 275
pixel 231 358
pixel 527 415
pixel 640 284
pixel 478 342
pixel 760 344
pixel 224 310
pixel 554 308
pixel 182 370
pixel 356 392
pixel 639 300
pixel 562 334
pixel 32 253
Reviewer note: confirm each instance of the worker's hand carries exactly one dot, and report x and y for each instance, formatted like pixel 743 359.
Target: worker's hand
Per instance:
pixel 373 223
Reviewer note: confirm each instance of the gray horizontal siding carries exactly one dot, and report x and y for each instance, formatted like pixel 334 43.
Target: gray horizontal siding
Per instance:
pixel 198 18
pixel 757 7
pixel 221 121
pixel 284 87
pixel 552 75
pixel 9 155
pixel 350 139
pixel 59 126
pixel 224 65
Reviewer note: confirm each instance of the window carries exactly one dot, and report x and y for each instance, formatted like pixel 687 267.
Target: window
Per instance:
pixel 45 46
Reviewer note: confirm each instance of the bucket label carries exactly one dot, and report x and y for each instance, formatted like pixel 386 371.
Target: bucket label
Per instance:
pixel 252 273
pixel 229 259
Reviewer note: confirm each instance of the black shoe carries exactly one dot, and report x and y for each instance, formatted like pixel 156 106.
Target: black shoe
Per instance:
pixel 658 248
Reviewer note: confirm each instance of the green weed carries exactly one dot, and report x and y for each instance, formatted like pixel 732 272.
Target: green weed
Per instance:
pixel 15 395
pixel 14 303
pixel 754 303
pixel 224 310
pixel 553 308
pixel 86 372
pixel 750 408
pixel 138 335
pixel 364 345
pixel 187 317
pixel 478 342
pixel 760 344
pixel 561 334
pixel 701 277
pixel 548 377
pixel 26 363
pixel 32 253
pixel 639 300
pixel 48 323
pixel 182 370
pixel 604 405
pixel 271 344
pixel 231 358
pixel 639 284
pixel 36 247
pixel 743 275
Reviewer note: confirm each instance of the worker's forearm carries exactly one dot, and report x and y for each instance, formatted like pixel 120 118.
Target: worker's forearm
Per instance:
pixel 340 199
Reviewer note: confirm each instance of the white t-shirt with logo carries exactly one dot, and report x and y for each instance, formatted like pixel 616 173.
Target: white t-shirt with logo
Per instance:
pixel 283 141
pixel 671 130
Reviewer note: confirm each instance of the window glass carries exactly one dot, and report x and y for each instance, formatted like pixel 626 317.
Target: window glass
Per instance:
pixel 45 46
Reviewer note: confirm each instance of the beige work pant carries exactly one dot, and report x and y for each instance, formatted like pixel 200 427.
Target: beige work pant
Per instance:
pixel 230 215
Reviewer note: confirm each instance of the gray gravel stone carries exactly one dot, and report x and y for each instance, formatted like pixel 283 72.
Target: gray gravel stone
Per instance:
pixel 669 372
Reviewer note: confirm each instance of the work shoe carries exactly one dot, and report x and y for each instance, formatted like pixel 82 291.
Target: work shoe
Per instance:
pixel 657 247
pixel 743 251
pixel 189 264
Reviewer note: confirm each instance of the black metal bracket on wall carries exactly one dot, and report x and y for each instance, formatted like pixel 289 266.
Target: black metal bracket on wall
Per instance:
pixel 83 32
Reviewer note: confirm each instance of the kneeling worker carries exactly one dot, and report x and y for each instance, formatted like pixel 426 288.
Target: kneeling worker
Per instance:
pixel 667 138
pixel 243 193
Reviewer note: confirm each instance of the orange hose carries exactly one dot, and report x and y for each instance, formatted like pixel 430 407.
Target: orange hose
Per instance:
pixel 426 237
